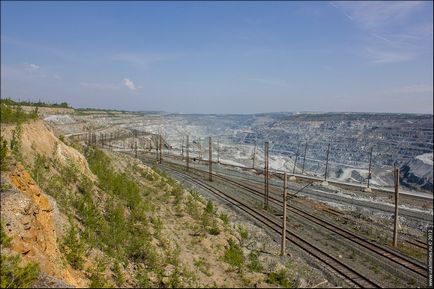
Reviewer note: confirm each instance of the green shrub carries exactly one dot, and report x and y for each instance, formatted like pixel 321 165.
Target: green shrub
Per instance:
pixel 38 172
pixel 244 234
pixel 142 279
pixel 280 277
pixel 214 230
pixel 234 255
pixel 9 114
pixel 254 263
pixel 73 248
pixel 15 143
pixel 5 240
pixel 209 208
pixel 118 276
pixel 224 218
pixel 4 162
pixel 13 274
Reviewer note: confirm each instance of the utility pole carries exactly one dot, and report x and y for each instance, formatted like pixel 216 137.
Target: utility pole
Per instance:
pixel 218 150
pixel 327 162
pixel 188 158
pixel 161 149
pixel 182 148
pixel 210 159
pixel 370 163
pixel 296 157
pixel 283 246
pixel 254 155
pixel 156 147
pixel 304 157
pixel 266 175
pixel 395 227
pixel 135 144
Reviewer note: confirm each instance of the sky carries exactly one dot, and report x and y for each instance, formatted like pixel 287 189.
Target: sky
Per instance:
pixel 221 57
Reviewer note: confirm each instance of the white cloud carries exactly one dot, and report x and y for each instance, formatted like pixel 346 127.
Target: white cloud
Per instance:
pixel 128 83
pixel 33 67
pixel 57 76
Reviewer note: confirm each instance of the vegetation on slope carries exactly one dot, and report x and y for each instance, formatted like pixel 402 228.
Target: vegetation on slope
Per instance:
pixel 119 231
pixel 9 101
pixel 16 115
pixel 14 274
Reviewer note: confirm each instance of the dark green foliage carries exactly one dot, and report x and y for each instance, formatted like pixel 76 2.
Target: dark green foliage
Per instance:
pixel 254 263
pixel 121 235
pixel 234 255
pixel 4 162
pixel 209 208
pixel 214 230
pixel 280 277
pixel 97 279
pixel 142 279
pixel 73 248
pixel 9 101
pixel 5 240
pixel 38 172
pixel 13 275
pixel 121 185
pixel 15 114
pixel 118 276
pixel 15 143
pixel 224 218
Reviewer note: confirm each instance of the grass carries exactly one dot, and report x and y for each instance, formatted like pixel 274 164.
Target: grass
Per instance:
pixel 280 278
pixel 254 263
pixel 244 234
pixel 203 266
pixel 13 273
pixel 224 218
pixel 16 115
pixel 234 255
pixel 73 248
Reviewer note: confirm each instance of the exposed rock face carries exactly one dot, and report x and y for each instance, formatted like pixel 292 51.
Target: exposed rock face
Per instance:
pixel 417 173
pixel 28 217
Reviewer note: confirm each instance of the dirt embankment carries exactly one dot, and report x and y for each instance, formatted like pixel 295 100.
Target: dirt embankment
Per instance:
pixel 28 215
pixel 38 138
pixel 49 110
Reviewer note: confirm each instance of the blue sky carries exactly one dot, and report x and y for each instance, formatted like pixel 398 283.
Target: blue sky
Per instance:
pixel 221 57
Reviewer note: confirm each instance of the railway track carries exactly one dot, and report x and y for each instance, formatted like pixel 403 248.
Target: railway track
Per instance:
pixel 334 263
pixel 417 267
pixel 387 253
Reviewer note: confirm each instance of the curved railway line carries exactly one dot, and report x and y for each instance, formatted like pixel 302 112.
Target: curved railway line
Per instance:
pixel 338 266
pixel 381 251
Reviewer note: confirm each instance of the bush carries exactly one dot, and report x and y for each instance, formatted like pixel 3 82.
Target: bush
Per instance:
pixel 4 163
pixel 209 208
pixel 234 255
pixel 224 218
pixel 73 248
pixel 279 277
pixel 118 276
pixel 38 171
pixel 254 263
pixel 15 115
pixel 13 275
